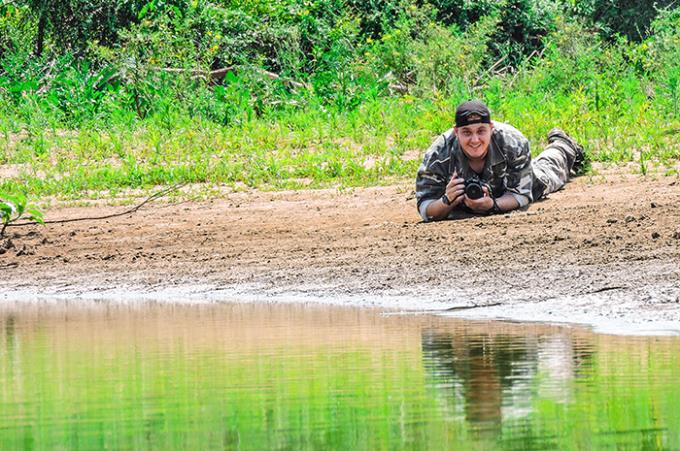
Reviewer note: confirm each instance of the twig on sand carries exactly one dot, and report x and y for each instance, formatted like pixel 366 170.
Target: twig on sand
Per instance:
pixel 154 196
pixel 600 290
pixel 470 307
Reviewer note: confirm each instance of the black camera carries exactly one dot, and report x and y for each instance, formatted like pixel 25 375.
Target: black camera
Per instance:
pixel 474 188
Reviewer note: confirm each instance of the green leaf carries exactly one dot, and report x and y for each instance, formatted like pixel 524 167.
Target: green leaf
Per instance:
pixel 230 77
pixel 5 212
pixel 145 10
pixel 35 215
pixel 11 199
pixel 7 207
pixel 16 199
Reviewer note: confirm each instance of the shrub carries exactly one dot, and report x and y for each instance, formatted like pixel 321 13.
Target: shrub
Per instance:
pixel 14 208
pixel 630 18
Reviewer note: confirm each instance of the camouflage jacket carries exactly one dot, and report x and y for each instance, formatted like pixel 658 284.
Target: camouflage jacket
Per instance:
pixel 507 167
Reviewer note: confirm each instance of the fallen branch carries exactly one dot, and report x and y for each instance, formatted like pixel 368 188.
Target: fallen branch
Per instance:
pixel 489 70
pixel 7 3
pixel 213 75
pixel 219 74
pixel 458 308
pixel 398 88
pixel 470 307
pixel 285 81
pixel 600 290
pixel 154 196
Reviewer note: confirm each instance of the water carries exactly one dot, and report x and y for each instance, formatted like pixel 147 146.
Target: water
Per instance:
pixel 254 376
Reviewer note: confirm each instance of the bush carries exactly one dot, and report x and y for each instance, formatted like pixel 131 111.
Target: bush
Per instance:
pixel 521 23
pixel 660 57
pixel 630 18
pixel 15 208
pixel 150 59
pixel 431 58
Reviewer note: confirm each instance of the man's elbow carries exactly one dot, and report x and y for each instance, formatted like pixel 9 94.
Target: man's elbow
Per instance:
pixel 522 199
pixel 422 210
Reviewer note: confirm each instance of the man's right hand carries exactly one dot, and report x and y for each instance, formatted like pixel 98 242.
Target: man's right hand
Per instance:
pixel 455 190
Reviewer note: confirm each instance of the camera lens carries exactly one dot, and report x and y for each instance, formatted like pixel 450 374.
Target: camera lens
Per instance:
pixel 474 190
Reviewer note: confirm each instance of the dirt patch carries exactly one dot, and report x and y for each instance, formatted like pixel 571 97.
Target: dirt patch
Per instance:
pixel 606 250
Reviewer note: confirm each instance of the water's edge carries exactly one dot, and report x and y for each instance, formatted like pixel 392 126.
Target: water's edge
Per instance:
pixel 606 312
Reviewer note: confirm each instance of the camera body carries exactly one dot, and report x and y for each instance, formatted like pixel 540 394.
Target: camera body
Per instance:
pixel 474 188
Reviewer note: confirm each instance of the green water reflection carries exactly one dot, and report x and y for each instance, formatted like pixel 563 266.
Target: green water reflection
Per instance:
pixel 232 376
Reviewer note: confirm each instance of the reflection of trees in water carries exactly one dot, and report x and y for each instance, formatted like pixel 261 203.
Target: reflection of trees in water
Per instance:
pixel 485 377
pixel 561 359
pixel 9 329
pixel 9 344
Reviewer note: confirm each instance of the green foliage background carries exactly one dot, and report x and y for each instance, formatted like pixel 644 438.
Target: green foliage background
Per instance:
pixel 98 96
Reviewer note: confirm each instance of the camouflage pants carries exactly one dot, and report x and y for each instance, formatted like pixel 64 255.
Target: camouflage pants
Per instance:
pixel 552 167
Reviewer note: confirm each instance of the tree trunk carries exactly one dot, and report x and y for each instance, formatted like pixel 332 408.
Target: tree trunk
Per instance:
pixel 40 41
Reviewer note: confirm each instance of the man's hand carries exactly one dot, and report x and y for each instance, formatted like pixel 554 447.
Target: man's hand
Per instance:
pixel 455 190
pixel 482 205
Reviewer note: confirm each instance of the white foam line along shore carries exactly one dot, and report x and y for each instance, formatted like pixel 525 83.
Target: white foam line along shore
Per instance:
pixel 607 312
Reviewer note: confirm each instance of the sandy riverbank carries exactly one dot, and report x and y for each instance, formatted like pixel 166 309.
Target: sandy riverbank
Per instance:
pixel 603 252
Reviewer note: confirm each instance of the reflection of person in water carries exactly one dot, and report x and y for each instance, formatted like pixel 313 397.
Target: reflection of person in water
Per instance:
pixel 482 369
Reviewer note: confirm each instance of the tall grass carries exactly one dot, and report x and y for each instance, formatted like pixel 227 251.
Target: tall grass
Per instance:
pixel 70 128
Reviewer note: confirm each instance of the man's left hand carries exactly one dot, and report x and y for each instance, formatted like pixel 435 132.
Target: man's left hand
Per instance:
pixel 481 205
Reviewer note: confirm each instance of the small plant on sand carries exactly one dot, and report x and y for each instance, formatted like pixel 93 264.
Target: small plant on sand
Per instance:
pixel 15 208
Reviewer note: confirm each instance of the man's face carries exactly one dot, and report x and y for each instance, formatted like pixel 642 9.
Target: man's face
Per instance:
pixel 474 139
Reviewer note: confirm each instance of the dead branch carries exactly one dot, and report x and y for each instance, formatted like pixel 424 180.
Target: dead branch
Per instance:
pixel 218 74
pixel 154 196
pixel 212 75
pixel 285 81
pixel 7 3
pixel 489 71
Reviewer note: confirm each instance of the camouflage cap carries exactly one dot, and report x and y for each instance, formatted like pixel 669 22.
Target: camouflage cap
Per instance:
pixel 472 112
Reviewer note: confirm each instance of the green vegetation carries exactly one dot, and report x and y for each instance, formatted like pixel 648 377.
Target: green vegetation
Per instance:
pixel 177 377
pixel 96 97
pixel 15 208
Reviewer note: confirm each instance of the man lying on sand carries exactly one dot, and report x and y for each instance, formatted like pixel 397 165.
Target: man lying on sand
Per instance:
pixel 482 166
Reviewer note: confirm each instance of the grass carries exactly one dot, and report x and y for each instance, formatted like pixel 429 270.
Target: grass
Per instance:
pixel 620 100
pixel 378 141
